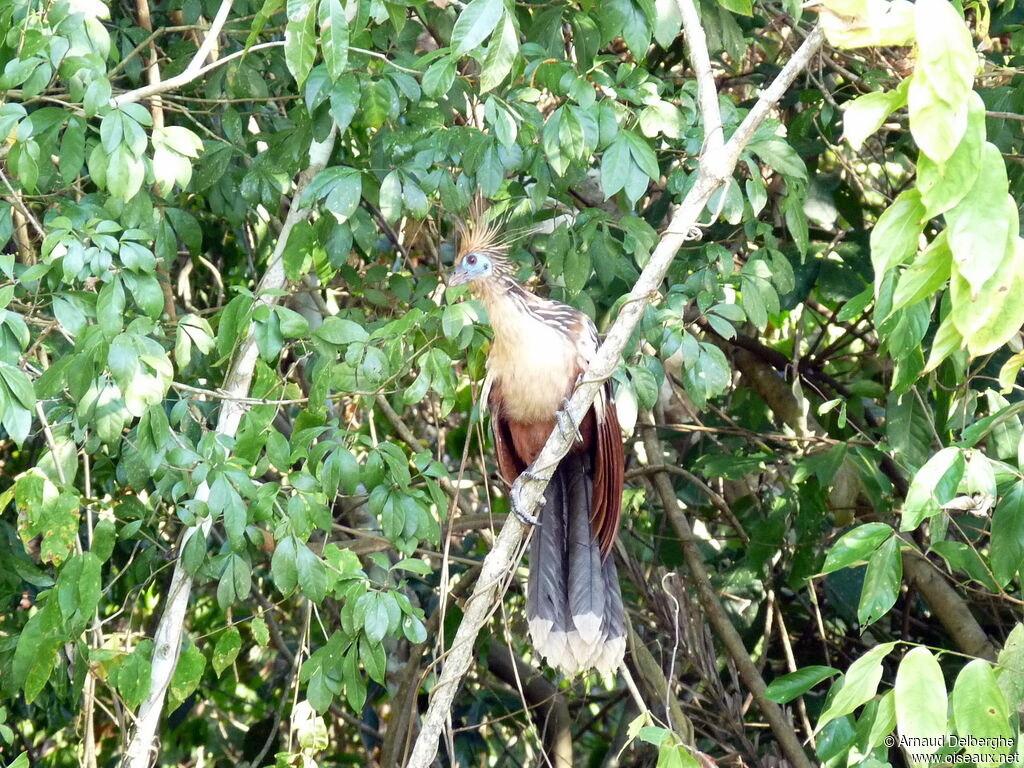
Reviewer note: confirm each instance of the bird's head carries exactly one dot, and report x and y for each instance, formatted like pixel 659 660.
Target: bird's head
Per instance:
pixel 471 266
pixel 482 259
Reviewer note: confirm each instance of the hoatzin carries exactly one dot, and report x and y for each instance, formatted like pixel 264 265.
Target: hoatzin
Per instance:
pixel 540 349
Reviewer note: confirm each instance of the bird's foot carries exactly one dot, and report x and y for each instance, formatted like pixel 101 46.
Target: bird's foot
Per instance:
pixel 537 477
pixel 517 503
pixel 566 424
pixel 524 517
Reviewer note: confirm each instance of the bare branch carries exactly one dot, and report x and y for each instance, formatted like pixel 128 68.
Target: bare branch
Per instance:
pixel 192 71
pixel 714 136
pixel 715 169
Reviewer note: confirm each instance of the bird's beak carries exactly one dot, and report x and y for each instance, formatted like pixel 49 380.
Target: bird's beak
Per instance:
pixel 458 276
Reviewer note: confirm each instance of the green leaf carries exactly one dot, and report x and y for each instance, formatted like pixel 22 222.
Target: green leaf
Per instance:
pixel 856 546
pixel 44 510
pixel 413 629
pixel 439 77
pixel 981 711
pixel 985 216
pixel 344 197
pixel 642 155
pixel 920 693
pixel 781 156
pixel 476 21
pixel 501 54
pixel 860 683
pixel 72 150
pixel 292 324
pixel 300 46
pixel 296 9
pixel 563 139
pixel 375 622
pixel 629 20
pixel 339 331
pixel 312 575
pixel 260 632
pixel 788 687
pixel 934 485
pixel 374 659
pixel 576 269
pixel 97 96
pixel 881 582
pixel 865 114
pixel 1007 548
pixel 391 196
pixel 236 579
pixel 989 317
pixel 19 385
pixel 943 78
pixel 947 341
pixel 615 165
pixel 667 22
pixel 37 648
pixel 186 676
pixel 413 565
pixel 226 651
pixel 334 37
pixel 125 173
pixel 894 237
pixel 1011 667
pixel 296 256
pixel 925 275
pixel 662 117
pixel 742 7
pixel 133 676
pixel 345 100
pixel 944 185
pixel 111 131
pixel 284 564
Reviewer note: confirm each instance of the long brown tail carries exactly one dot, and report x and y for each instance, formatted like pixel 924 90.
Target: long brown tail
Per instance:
pixel 573 601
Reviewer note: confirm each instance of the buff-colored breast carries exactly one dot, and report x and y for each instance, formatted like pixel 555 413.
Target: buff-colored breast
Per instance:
pixel 535 365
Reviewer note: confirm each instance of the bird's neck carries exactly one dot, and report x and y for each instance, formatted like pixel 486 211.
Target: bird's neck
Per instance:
pixel 505 301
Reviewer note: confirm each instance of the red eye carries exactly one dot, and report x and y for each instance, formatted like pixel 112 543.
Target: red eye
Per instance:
pixel 471 259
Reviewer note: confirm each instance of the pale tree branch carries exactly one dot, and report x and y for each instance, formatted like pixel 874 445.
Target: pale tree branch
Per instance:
pixel 187 75
pixel 168 636
pixel 152 63
pixel 714 135
pixel 715 169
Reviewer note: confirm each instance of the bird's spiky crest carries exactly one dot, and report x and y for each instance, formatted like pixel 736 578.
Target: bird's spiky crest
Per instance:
pixel 480 234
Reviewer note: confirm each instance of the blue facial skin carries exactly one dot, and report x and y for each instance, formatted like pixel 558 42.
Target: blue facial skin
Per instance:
pixel 472 267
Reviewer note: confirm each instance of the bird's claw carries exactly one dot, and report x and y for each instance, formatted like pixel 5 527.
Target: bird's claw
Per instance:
pixel 566 423
pixel 516 500
pixel 524 517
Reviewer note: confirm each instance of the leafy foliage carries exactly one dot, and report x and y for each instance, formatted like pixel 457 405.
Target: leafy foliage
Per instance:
pixel 831 371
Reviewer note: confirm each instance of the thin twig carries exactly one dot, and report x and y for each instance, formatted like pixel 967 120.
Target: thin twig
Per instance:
pixel 16 201
pixel 385 59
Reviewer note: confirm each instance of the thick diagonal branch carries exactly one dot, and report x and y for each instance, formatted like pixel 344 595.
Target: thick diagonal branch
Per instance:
pixel 716 167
